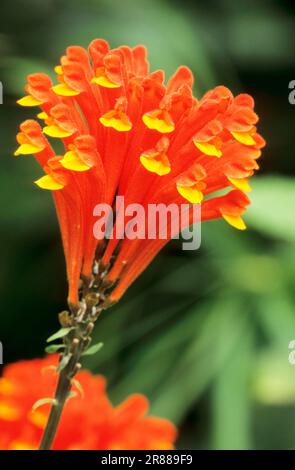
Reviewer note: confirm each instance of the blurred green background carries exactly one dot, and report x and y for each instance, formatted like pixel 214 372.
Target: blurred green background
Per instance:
pixel 203 334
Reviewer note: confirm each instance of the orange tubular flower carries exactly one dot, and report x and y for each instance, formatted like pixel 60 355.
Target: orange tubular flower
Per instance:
pixel 101 426
pixel 125 133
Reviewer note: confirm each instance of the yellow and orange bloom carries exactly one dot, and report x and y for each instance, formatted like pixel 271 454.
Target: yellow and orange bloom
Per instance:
pixel 126 133
pixel 97 426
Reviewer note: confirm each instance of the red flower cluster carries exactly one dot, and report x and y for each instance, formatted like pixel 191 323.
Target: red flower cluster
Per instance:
pixel 97 426
pixel 126 133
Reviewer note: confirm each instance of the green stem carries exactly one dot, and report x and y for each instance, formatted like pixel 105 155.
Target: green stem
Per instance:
pixel 76 343
pixel 81 321
pixel 62 392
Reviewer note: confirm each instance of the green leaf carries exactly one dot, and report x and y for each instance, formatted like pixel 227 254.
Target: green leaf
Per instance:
pixel 196 369
pixel 93 349
pixel 44 401
pixel 188 373
pixel 231 401
pixel 53 348
pixel 59 334
pixel 272 199
pixel 273 382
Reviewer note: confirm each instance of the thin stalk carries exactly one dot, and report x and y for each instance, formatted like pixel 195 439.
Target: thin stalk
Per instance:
pixel 75 348
pixel 81 322
pixel 62 392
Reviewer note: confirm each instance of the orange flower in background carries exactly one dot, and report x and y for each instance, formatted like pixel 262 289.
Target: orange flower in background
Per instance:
pixel 126 133
pixel 97 426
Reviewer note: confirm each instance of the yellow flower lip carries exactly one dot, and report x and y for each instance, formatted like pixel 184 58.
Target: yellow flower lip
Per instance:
pixel 72 161
pixel 63 89
pixel 49 182
pixel 56 131
pixel 159 120
pixel 241 183
pixel 244 138
pixel 235 221
pixel 58 69
pixel 105 82
pixel 42 115
pixel 29 101
pixel 116 120
pixel 191 193
pixel 101 78
pixel 158 164
pixel 27 149
pixel 208 148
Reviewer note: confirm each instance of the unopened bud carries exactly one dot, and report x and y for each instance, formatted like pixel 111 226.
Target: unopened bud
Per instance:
pixel 65 318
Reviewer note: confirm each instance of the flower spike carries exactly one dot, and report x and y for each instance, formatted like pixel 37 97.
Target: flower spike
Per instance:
pixel 125 133
pixel 22 424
